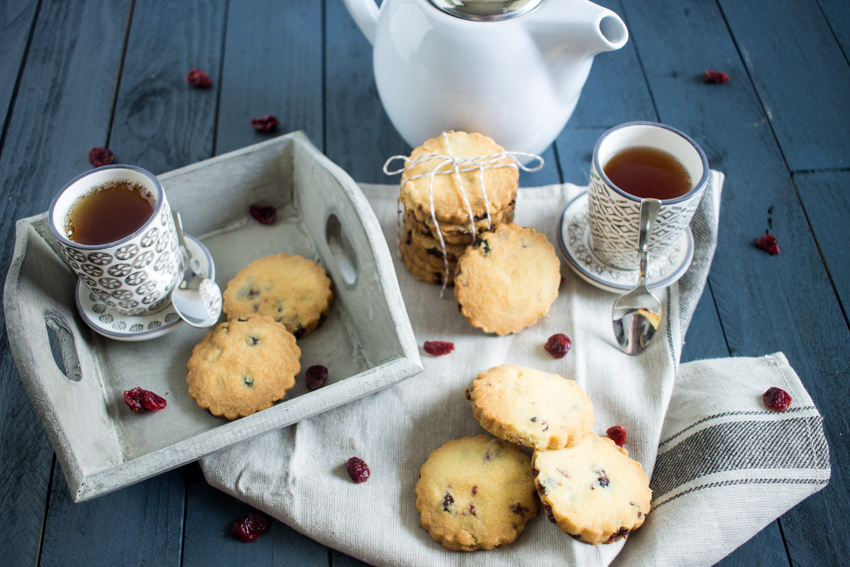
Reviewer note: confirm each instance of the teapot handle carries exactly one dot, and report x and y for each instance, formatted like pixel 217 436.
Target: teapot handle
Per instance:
pixel 365 14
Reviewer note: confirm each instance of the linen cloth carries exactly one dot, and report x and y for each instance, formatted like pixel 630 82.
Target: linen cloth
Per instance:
pixel 722 466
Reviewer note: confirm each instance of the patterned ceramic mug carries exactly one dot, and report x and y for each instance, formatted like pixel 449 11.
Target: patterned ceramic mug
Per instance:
pixel 613 214
pixel 133 274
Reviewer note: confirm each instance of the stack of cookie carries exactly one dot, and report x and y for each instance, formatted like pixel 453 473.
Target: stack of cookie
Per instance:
pixel 477 492
pixel 453 187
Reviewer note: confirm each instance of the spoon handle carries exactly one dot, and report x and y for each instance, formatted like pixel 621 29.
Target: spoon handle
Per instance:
pixel 648 212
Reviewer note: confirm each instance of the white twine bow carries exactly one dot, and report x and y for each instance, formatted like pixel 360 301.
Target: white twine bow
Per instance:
pixel 459 165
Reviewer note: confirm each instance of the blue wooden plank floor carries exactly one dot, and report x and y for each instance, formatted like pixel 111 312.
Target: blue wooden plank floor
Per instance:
pixel 84 73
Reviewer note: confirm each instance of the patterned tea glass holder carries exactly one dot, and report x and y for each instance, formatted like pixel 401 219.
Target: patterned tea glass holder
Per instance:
pixel 613 214
pixel 135 274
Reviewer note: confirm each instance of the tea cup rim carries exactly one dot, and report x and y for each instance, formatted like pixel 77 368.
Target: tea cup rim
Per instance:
pixel 160 194
pixel 697 187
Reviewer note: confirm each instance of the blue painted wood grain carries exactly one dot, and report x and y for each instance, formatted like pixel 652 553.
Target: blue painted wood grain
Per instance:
pixel 160 121
pixel 61 110
pixel 826 198
pixel 138 525
pixel 272 65
pixel 761 299
pixel 801 76
pixel 838 17
pixel 209 541
pixel 16 23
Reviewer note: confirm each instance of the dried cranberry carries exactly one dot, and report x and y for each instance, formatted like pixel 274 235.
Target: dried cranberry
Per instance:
pixel 198 78
pixel 265 123
pixel 251 527
pixel 776 399
pixel 617 434
pixel 264 214
pixel 316 377
pixel 357 469
pixel 99 157
pixel 558 345
pixel 711 76
pixel 438 348
pixel 140 400
pixel 768 242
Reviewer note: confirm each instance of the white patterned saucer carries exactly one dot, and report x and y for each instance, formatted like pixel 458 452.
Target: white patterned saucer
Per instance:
pixel 160 319
pixel 574 237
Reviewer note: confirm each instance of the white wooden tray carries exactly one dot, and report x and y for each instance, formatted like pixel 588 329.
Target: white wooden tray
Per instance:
pixel 366 342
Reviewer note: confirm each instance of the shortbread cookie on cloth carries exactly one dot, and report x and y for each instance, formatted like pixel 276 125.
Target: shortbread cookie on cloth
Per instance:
pixel 500 176
pixel 508 279
pixel 531 407
pixel 476 493
pixel 290 289
pixel 593 491
pixel 243 366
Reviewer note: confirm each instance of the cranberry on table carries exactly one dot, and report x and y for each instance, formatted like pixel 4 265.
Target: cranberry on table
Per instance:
pixel 251 527
pixel 316 377
pixel 99 157
pixel 712 76
pixel 558 345
pixel 199 79
pixel 140 400
pixel 776 399
pixel 265 123
pixel 617 434
pixel 438 348
pixel 768 242
pixel 357 469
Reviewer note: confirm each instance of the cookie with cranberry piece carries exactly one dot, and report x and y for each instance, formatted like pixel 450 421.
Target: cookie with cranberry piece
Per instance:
pixel 425 221
pixel 499 180
pixel 508 279
pixel 531 407
pixel 476 493
pixel 243 366
pixel 429 275
pixel 593 492
pixel 290 289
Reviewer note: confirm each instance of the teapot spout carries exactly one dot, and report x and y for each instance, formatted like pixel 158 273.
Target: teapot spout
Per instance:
pixel 587 28
pixel 613 33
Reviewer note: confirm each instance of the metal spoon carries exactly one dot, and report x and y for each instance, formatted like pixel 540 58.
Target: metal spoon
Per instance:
pixel 197 298
pixel 637 313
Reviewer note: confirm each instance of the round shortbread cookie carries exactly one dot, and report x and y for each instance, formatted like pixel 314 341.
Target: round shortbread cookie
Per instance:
pixel 508 279
pixel 464 237
pixel 481 223
pixel 290 289
pixel 500 182
pixel 531 407
pixel 428 258
pixel 593 492
pixel 243 366
pixel 428 275
pixel 431 245
pixel 476 493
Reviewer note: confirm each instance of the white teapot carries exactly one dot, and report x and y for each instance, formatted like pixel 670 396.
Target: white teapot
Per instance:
pixel 510 69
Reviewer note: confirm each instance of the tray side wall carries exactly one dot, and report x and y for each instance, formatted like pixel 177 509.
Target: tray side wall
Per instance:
pixel 373 301
pixel 40 286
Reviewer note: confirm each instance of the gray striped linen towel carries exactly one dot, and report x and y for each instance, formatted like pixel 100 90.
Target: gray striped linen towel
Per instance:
pixel 722 466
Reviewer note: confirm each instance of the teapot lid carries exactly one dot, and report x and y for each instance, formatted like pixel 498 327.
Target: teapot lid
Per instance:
pixel 486 10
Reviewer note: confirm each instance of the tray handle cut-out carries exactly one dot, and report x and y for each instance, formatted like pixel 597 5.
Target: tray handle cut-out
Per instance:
pixel 341 249
pixel 59 328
